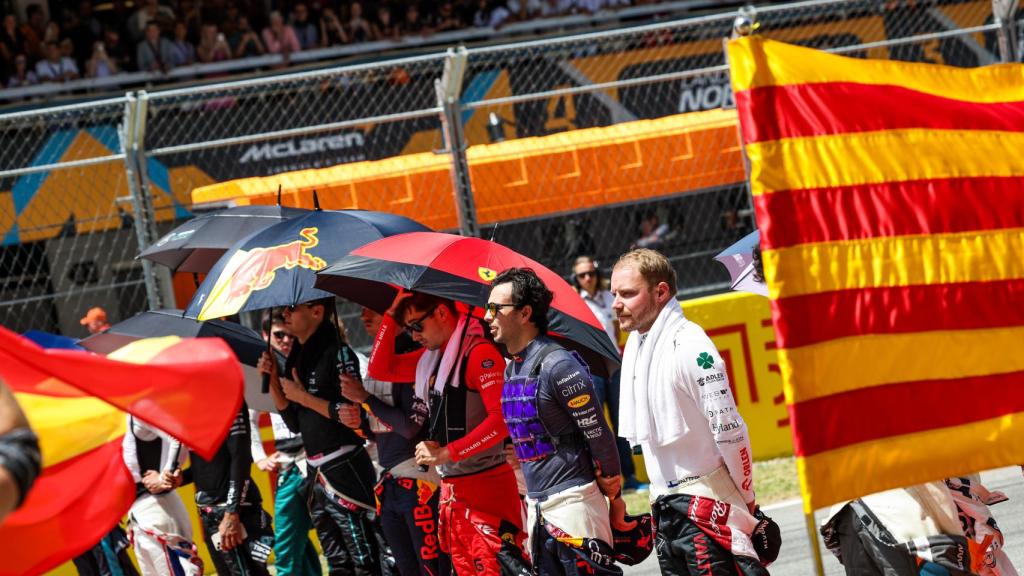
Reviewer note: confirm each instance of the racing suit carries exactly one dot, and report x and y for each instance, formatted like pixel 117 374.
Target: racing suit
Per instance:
pixel 223 486
pixel 160 528
pixel 480 516
pixel 559 434
pixel 294 554
pixel 407 496
pixel 342 499
pixel 678 405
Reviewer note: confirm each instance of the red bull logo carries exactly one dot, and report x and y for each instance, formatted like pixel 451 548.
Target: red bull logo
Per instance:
pixel 424 519
pixel 424 491
pixel 252 270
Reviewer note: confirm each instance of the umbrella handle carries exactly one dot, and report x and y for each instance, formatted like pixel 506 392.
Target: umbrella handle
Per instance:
pixel 265 385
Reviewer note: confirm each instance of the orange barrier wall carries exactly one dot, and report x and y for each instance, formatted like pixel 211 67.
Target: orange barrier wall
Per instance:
pixel 523 178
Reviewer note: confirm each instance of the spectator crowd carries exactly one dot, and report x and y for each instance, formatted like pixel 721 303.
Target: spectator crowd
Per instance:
pixel 159 35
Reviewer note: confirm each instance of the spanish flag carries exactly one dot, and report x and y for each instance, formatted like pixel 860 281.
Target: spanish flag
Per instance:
pixel 890 197
pixel 76 403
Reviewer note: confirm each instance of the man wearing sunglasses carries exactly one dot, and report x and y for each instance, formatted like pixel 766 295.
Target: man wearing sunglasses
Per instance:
pixel 588 278
pixel 459 377
pixel 294 553
pixel 559 433
pixel 407 494
pixel 309 400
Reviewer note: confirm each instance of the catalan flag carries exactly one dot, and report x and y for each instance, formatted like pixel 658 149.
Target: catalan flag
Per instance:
pixel 76 403
pixel 890 196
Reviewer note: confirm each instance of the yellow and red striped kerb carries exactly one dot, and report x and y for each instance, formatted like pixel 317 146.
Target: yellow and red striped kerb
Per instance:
pixel 890 198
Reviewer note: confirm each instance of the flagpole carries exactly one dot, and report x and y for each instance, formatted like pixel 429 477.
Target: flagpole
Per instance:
pixel 812 535
pixel 745 24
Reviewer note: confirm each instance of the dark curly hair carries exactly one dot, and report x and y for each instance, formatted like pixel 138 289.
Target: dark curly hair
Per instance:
pixel 758 264
pixel 528 290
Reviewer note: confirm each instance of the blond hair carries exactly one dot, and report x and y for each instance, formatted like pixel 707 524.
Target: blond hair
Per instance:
pixel 652 265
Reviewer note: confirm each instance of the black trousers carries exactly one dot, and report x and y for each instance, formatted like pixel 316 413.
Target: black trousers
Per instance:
pixel 409 524
pixel 346 530
pixel 251 557
pixel 685 550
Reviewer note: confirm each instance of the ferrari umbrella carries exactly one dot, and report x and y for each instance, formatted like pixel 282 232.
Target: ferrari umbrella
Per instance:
pixel 244 342
pixel 461 269
pixel 196 245
pixel 277 266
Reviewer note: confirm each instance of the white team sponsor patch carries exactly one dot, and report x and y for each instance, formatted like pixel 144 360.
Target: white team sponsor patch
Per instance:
pixel 567 378
pixel 573 388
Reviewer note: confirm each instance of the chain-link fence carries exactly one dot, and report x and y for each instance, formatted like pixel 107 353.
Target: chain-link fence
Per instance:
pixel 614 186
pixel 298 123
pixel 587 144
pixel 69 219
pixel 580 83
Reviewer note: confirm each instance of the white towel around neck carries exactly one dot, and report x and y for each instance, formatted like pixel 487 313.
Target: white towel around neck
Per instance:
pixel 647 387
pixel 450 359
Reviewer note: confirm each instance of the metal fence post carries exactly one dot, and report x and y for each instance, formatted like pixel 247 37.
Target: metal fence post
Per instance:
pixel 745 24
pixel 162 276
pixel 449 89
pixel 140 213
pixel 1003 12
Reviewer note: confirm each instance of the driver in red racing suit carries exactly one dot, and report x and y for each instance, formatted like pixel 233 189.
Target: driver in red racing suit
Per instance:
pixel 460 376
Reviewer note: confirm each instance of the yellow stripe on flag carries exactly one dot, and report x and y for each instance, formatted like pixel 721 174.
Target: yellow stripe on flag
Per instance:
pixel 839 475
pixel 756 62
pixel 143 351
pixel 887 156
pixel 846 364
pixel 70 427
pixel 982 256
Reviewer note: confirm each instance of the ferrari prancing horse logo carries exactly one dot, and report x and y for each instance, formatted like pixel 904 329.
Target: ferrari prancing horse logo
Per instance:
pixel 486 273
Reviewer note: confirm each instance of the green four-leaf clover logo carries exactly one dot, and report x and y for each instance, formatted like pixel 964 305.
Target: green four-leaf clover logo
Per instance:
pixel 705 360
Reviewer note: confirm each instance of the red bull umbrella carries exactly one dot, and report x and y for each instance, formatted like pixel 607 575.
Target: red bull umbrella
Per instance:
pixel 196 245
pixel 461 269
pixel 277 266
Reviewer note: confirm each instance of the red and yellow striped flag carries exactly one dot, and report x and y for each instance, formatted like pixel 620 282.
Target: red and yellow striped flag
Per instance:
pixel 76 402
pixel 890 198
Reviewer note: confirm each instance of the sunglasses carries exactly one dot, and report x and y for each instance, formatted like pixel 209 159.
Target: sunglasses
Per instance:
pixel 292 307
pixel 417 325
pixel 493 308
pixel 587 274
pixel 281 335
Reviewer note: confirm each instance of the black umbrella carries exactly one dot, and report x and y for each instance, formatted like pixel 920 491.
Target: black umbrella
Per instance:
pixel 246 343
pixel 196 245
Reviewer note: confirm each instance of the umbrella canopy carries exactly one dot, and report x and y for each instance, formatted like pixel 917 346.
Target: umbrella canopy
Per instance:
pixel 738 259
pixel 48 340
pixel 196 245
pixel 461 269
pixel 277 266
pixel 244 342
